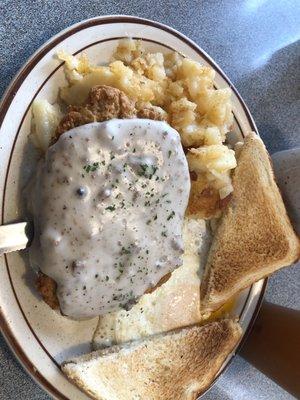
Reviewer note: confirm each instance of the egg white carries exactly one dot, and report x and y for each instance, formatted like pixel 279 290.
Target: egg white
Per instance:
pixel 174 304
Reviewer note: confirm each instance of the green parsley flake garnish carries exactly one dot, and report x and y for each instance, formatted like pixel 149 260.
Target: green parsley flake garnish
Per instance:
pixel 125 251
pixel 171 216
pixel 91 167
pixel 111 208
pixel 147 170
pixel 121 268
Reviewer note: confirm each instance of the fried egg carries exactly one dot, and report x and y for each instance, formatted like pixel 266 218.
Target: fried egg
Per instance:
pixel 174 304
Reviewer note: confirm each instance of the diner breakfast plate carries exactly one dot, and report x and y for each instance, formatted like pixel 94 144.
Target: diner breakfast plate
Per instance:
pixel 41 338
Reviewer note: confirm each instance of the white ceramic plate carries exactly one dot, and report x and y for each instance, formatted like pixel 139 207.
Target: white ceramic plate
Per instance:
pixel 39 337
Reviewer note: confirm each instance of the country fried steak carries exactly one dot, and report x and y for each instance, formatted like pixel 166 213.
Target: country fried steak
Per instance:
pixel 103 103
pixel 47 288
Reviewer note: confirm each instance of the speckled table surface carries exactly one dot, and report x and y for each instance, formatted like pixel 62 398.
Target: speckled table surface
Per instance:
pixel 255 42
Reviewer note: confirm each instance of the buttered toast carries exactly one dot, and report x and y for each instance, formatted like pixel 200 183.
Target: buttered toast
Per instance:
pixel 254 237
pixel 178 365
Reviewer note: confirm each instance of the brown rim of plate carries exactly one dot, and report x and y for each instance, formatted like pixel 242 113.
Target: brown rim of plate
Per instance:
pixel 4 106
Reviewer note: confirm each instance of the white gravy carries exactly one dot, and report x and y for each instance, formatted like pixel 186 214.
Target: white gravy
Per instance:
pixel 108 203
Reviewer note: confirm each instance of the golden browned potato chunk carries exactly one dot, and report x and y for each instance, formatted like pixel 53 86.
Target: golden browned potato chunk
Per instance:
pixel 204 201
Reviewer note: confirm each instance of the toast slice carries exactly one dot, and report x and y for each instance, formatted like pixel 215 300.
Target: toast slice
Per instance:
pixel 254 237
pixel 177 365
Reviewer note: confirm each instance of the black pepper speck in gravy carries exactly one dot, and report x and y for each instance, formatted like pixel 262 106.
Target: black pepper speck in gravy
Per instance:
pixel 108 203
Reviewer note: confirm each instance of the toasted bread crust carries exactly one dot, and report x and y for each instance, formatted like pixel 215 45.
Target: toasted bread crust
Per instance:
pixel 254 237
pixel 178 365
